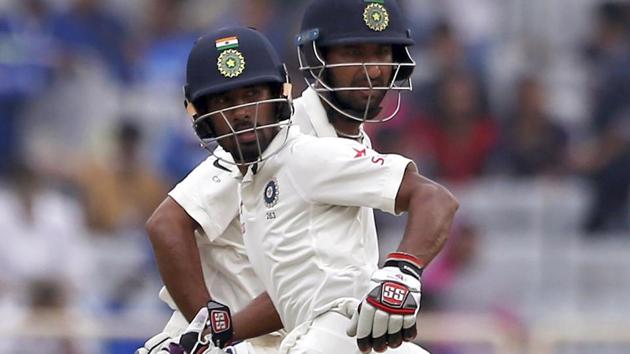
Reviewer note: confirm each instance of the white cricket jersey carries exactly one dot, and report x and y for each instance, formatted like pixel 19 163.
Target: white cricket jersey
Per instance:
pixel 209 194
pixel 305 230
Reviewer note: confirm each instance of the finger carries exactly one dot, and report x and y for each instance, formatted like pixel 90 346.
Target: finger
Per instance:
pixel 364 344
pixel 349 308
pixel 154 343
pixel 380 324
pixel 198 324
pixel 394 331
pixel 364 327
pixel 409 333
pixel 365 321
pixel 395 324
pixel 394 340
pixel 379 344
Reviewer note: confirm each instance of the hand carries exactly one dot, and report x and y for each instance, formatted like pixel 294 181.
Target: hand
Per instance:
pixel 209 330
pixel 387 315
pixel 154 345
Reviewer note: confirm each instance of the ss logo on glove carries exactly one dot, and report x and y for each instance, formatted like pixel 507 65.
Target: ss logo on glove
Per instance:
pixel 394 294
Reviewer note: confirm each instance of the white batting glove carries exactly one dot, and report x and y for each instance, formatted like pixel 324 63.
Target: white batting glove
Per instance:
pixel 193 341
pixel 387 315
pixel 155 344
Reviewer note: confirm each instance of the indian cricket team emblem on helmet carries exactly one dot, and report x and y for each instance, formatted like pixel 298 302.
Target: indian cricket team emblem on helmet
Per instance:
pixel 375 16
pixel 271 193
pixel 231 63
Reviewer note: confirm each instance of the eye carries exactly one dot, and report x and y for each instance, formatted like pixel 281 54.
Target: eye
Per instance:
pixel 219 101
pixel 385 52
pixel 253 92
pixel 353 52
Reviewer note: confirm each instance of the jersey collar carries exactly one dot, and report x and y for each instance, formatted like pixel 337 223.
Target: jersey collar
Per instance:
pixel 290 132
pixel 319 119
pixel 317 114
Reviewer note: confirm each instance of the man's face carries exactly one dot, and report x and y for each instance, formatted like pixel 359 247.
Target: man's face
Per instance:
pixel 356 76
pixel 250 143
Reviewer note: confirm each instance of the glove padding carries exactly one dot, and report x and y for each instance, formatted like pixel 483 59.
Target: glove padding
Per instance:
pixel 387 315
pixel 193 341
pixel 210 330
pixel 155 344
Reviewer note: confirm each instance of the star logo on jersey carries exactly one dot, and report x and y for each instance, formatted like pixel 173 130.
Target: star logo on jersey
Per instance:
pixel 231 63
pixel 360 153
pixel 271 193
pixel 375 16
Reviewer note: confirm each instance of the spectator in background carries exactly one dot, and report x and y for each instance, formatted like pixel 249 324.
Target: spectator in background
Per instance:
pixel 121 192
pixel 606 158
pixel 87 29
pixel 163 41
pixel 458 134
pixel 26 65
pixel 444 54
pixel 43 250
pixel 531 143
pixel 459 253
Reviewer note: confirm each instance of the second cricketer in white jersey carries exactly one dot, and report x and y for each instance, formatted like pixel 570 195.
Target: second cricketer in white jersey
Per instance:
pixel 306 237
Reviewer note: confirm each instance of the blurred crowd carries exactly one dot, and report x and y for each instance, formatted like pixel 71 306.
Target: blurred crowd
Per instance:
pixel 93 131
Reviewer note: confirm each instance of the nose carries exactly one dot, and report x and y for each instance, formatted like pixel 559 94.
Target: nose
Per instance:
pixel 241 115
pixel 374 71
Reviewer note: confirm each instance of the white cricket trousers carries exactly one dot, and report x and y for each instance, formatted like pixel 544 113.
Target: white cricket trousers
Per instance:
pixel 326 334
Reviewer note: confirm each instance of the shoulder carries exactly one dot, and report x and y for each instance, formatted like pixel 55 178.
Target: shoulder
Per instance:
pixel 313 152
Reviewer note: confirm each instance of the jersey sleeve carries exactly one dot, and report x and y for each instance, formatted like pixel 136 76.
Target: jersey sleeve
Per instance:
pixel 209 194
pixel 343 172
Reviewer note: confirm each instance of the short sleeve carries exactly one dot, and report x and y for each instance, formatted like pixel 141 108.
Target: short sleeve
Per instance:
pixel 209 194
pixel 343 172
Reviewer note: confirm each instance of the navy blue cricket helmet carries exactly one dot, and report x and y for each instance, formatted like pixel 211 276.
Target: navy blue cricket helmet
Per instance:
pixel 227 59
pixel 345 22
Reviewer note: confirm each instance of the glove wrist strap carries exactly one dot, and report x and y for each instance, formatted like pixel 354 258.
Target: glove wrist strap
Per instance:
pixel 407 263
pixel 220 323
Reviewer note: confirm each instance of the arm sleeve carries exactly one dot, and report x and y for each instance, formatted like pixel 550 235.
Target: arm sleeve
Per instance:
pixel 209 194
pixel 343 172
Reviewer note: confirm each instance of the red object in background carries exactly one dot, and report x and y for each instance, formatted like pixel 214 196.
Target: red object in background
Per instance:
pixel 460 152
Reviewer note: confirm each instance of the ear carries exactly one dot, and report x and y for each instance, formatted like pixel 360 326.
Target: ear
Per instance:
pixel 190 108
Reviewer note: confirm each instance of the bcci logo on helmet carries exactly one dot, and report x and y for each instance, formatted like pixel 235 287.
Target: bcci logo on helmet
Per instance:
pixel 231 63
pixel 376 17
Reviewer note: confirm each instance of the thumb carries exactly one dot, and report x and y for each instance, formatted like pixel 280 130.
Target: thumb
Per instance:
pixel 191 340
pixel 354 323
pixel 349 307
pixel 351 310
pixel 198 324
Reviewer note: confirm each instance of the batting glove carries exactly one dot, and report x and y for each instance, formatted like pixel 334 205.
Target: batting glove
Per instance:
pixel 155 344
pixel 387 315
pixel 209 330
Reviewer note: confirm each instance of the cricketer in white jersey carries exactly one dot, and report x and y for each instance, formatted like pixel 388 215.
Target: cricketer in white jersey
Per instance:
pixel 307 236
pixel 209 194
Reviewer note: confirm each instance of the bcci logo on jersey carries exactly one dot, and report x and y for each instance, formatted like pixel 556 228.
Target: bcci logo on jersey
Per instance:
pixel 271 193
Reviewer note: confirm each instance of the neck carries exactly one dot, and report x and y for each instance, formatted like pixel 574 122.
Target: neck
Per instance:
pixel 344 126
